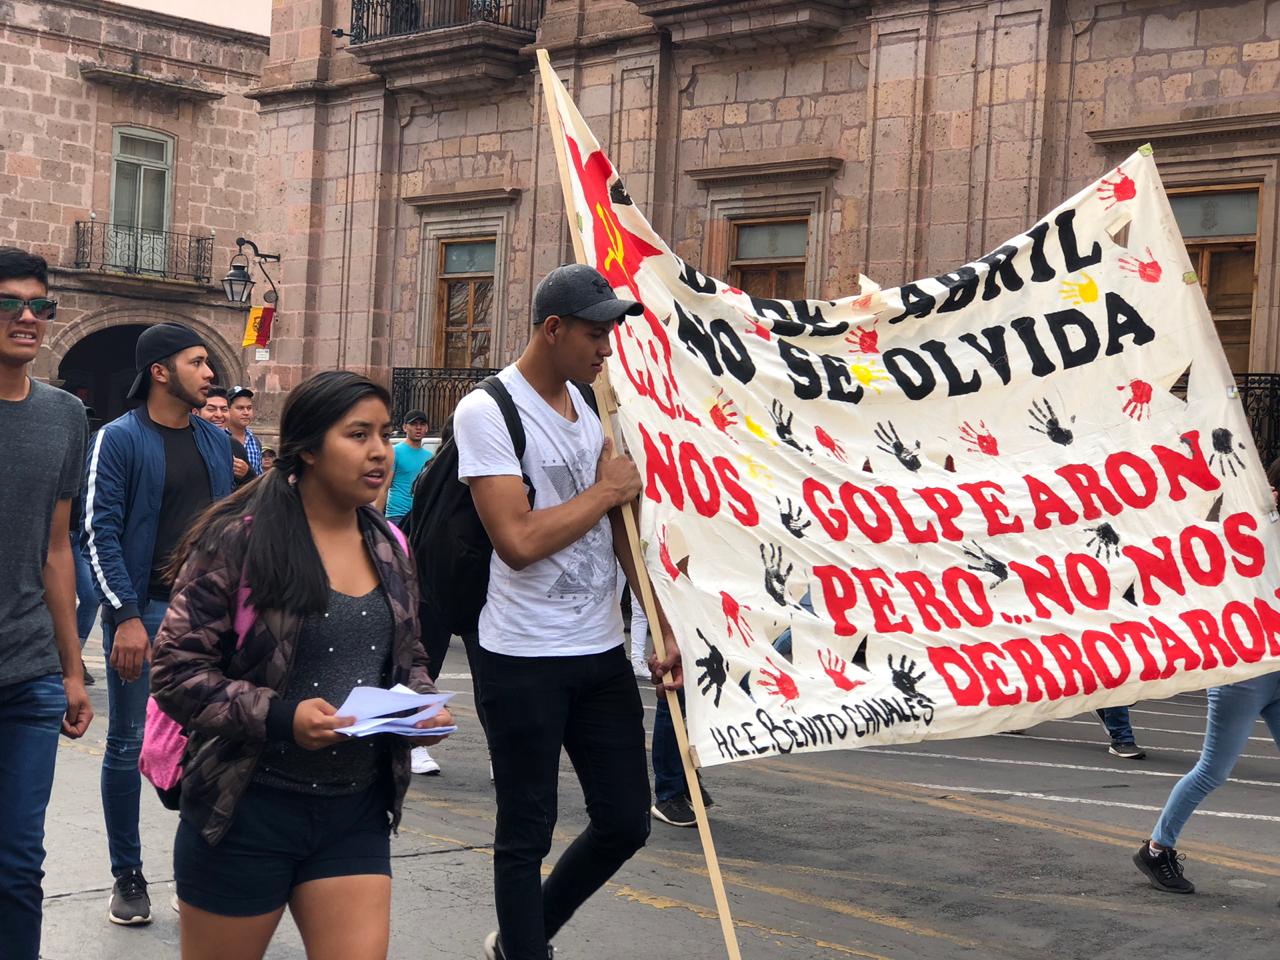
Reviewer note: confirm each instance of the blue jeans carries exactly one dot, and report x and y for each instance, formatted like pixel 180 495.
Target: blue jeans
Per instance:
pixel 126 717
pixel 30 718
pixel 1233 709
pixel 1116 720
pixel 668 771
pixel 86 599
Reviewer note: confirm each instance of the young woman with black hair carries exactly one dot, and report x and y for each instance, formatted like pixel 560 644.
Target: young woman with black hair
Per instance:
pixel 278 808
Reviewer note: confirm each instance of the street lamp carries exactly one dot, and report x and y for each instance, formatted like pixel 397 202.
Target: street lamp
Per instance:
pixel 238 283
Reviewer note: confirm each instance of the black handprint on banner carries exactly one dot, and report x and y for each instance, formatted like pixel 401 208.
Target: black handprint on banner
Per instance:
pixel 775 578
pixel 1105 542
pixel 714 673
pixel 782 426
pixel 1224 455
pixel 905 679
pixel 983 562
pixel 890 442
pixel 618 194
pixel 1043 414
pixel 793 518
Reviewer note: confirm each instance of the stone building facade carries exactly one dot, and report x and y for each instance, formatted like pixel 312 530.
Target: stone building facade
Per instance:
pixel 406 174
pixel 127 159
pixel 403 171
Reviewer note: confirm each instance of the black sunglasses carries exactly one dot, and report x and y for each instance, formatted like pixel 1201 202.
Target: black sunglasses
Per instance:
pixel 42 308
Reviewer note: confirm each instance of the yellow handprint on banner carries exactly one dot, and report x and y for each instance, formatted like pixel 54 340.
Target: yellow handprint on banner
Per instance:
pixel 1077 292
pixel 868 374
pixel 759 432
pixel 757 470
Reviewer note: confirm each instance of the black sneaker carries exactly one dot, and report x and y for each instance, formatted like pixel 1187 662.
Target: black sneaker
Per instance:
pixel 493 948
pixel 676 812
pixel 1129 751
pixel 89 680
pixel 130 904
pixel 1163 869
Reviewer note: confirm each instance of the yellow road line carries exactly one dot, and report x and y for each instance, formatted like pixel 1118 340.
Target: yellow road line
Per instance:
pixel 658 902
pixel 840 907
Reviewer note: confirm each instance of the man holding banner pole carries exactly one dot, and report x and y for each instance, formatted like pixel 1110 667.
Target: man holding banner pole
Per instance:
pixel 554 673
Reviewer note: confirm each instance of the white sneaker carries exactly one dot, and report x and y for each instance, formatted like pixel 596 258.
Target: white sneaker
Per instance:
pixel 421 762
pixel 175 904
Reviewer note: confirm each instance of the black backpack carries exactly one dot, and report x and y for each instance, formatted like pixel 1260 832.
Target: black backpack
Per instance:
pixel 449 543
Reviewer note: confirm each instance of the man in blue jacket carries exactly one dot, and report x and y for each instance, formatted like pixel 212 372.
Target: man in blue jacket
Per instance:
pixel 149 474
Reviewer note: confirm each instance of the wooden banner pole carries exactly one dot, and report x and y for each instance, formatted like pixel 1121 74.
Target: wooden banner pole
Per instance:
pixel 608 404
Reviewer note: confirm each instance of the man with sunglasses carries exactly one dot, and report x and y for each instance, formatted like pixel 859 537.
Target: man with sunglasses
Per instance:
pixel 42 433
pixel 150 472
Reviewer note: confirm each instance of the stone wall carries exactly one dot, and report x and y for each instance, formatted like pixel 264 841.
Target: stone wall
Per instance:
pixel 916 134
pixel 75 70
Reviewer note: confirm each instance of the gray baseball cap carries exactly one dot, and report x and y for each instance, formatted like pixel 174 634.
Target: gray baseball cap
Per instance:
pixel 576 290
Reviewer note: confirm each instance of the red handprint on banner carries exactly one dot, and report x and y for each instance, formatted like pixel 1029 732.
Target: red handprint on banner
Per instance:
pixel 1148 270
pixel 664 554
pixel 864 339
pixel 778 682
pixel 1118 190
pixel 834 666
pixel 724 414
pixel 980 440
pixel 754 326
pixel 734 620
pixel 830 444
pixel 1138 404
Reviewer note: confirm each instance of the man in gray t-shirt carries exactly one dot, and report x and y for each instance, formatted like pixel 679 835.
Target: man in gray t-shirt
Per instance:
pixel 42 436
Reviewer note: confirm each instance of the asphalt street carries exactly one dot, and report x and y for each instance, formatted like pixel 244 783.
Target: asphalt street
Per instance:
pixel 1001 847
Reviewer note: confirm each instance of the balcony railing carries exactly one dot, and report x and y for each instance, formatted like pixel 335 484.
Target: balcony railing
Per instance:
pixel 1260 397
pixel 377 19
pixel 433 390
pixel 120 248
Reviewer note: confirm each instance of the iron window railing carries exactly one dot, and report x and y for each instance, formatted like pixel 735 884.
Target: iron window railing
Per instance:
pixel 121 248
pixel 377 19
pixel 1260 397
pixel 433 390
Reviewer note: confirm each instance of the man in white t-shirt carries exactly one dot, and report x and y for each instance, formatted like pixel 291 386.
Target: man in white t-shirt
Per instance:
pixel 553 671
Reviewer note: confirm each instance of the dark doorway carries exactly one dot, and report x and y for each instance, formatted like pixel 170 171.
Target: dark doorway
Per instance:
pixel 99 369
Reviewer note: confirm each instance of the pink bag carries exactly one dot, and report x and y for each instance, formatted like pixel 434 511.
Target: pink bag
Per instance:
pixel 163 742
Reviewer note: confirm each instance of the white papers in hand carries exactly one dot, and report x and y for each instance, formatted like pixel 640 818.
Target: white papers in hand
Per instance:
pixel 388 711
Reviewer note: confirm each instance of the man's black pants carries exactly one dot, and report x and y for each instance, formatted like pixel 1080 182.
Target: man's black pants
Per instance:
pixel 533 706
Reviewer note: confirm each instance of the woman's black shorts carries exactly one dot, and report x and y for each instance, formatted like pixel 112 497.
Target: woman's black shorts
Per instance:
pixel 279 840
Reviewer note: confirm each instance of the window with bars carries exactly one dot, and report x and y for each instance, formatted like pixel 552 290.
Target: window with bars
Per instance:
pixel 1220 228
pixel 769 257
pixel 464 303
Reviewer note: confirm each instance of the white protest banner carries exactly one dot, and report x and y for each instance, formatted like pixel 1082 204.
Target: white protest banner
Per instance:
pixel 971 503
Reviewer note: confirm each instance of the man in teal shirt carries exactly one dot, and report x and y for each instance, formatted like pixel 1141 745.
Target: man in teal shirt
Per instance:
pixel 411 457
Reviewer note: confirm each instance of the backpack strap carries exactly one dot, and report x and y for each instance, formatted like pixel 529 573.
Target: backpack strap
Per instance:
pixel 399 537
pixel 496 389
pixel 589 395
